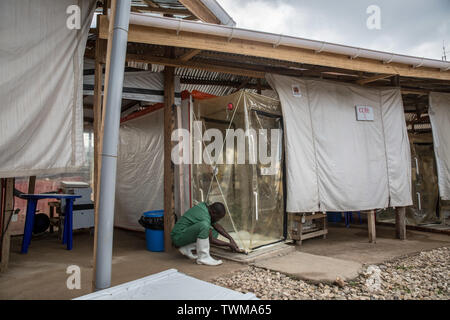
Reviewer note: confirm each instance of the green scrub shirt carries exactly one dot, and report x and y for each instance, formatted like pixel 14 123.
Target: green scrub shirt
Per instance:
pixel 195 223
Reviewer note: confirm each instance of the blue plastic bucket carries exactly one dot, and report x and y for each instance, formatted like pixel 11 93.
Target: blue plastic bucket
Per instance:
pixel 154 238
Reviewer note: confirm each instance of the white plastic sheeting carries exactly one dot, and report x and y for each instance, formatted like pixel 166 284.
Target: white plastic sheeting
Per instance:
pixel 167 285
pixel 41 63
pixel 439 112
pixel 140 169
pixel 139 85
pixel 334 162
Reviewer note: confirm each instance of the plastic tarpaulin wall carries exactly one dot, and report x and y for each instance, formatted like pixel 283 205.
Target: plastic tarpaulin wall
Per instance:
pixel 251 191
pixel 334 162
pixel 140 169
pixel 439 113
pixel 41 63
pixel 139 85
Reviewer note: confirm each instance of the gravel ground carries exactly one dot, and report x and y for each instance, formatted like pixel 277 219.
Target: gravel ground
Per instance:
pixel 422 276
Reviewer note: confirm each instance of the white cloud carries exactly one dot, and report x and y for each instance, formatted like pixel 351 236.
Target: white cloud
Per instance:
pixel 344 22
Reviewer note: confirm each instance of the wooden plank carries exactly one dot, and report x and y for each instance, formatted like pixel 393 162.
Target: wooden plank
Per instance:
pixel 169 204
pixel 200 11
pixel 164 37
pixel 194 65
pixel 189 55
pixel 151 4
pixel 374 78
pixel 400 223
pixel 371 226
pixel 6 232
pixel 314 234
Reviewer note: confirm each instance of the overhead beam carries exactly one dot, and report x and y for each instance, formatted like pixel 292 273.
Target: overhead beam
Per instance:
pixel 189 55
pixel 194 65
pixel 243 84
pixel 165 37
pixel 374 78
pixel 151 4
pixel 231 84
pixel 200 11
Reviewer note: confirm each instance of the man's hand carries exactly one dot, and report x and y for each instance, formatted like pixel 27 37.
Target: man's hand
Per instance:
pixel 234 247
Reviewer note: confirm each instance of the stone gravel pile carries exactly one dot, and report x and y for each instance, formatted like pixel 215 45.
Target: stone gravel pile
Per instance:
pixel 422 276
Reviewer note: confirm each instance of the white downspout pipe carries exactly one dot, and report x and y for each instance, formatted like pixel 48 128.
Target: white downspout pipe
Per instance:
pixel 110 140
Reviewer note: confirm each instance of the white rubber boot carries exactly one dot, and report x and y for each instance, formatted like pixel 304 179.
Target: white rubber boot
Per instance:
pixel 203 253
pixel 187 251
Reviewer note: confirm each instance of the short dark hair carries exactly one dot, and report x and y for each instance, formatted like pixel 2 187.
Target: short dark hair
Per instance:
pixel 218 208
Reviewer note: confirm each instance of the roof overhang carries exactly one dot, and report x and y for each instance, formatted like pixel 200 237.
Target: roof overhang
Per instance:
pixel 227 39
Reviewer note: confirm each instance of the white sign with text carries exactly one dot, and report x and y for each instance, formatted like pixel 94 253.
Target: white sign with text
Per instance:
pixel 364 113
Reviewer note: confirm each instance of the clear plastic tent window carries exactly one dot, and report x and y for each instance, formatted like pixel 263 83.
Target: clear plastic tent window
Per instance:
pixel 253 199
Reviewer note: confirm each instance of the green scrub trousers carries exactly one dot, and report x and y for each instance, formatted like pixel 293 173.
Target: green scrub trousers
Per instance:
pixel 194 224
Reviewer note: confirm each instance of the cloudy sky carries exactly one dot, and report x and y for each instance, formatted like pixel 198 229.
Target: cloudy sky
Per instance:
pixel 412 27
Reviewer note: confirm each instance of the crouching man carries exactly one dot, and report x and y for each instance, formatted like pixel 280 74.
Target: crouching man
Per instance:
pixel 197 228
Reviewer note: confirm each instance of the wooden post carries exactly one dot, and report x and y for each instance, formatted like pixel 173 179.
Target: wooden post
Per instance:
pixel 400 223
pixel 371 226
pixel 7 215
pixel 259 86
pixel 31 184
pixel 169 203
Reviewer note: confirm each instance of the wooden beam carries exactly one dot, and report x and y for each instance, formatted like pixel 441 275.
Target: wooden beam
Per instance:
pixel 371 226
pixel 189 55
pixel 6 231
pixel 259 87
pixel 231 84
pixel 31 184
pixel 169 102
pixel 100 49
pixel 200 11
pixel 243 84
pixel 400 223
pixel 151 4
pixel 374 78
pixel 194 65
pixel 415 91
pixel 164 37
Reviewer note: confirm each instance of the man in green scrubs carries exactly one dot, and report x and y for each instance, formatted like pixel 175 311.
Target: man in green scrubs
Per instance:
pixel 197 228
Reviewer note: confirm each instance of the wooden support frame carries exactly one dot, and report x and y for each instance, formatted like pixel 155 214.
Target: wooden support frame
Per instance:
pixel 200 11
pixel 195 65
pixel 400 223
pixel 374 78
pixel 371 226
pixel 169 202
pixel 189 55
pixel 300 234
pixel 165 37
pixel 8 211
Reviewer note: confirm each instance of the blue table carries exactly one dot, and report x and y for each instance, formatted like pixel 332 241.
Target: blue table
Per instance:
pixel 31 210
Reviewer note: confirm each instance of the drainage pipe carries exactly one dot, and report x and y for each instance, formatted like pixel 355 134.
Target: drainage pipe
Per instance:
pixel 110 140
